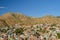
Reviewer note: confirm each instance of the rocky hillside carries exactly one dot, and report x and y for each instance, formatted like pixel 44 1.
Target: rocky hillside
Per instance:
pixel 10 19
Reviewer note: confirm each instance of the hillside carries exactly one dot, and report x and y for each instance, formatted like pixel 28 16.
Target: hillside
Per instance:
pixel 10 19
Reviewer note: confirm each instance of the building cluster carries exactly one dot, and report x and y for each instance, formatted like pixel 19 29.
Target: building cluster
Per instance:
pixel 34 32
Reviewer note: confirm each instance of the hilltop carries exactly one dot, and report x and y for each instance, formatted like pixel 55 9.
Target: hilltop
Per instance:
pixel 10 19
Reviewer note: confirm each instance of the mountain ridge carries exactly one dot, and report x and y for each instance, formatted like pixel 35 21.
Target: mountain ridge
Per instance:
pixel 10 19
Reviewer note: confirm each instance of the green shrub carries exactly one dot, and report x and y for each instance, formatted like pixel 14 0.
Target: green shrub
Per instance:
pixel 58 35
pixel 19 31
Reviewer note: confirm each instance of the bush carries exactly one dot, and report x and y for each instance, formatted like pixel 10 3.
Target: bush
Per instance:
pixel 19 31
pixel 58 35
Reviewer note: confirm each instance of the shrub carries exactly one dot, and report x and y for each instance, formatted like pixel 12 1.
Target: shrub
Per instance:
pixel 19 31
pixel 58 35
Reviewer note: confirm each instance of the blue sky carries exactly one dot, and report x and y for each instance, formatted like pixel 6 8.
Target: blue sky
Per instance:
pixel 34 8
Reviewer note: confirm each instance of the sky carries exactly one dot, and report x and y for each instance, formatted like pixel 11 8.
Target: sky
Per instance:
pixel 34 8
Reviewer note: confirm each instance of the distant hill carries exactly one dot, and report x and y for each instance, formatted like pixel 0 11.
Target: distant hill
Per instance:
pixel 10 19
